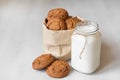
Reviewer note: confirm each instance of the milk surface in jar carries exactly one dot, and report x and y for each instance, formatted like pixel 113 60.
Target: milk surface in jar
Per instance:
pixel 86 47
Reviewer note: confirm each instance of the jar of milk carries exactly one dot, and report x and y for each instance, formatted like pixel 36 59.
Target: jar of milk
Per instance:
pixel 86 47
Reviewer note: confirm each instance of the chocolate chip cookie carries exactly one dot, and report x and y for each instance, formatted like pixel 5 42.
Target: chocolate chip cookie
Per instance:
pixel 42 61
pixel 58 69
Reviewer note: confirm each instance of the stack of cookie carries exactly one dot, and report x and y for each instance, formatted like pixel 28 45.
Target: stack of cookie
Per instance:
pixel 59 19
pixel 54 68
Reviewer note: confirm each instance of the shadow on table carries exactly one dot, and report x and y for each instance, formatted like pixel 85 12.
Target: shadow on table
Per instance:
pixel 106 57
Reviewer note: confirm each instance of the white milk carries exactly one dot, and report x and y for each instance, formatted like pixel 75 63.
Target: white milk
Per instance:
pixel 86 47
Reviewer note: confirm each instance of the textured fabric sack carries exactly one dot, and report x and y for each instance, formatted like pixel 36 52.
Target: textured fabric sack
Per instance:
pixel 58 43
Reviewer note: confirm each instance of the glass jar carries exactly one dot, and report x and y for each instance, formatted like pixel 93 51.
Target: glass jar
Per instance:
pixel 86 47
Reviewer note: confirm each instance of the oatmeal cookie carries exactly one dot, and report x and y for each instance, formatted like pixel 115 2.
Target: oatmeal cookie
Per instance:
pixel 58 69
pixel 59 13
pixel 42 61
pixel 71 22
pixel 56 24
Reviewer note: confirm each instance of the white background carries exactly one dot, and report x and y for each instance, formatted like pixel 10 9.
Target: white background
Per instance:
pixel 21 36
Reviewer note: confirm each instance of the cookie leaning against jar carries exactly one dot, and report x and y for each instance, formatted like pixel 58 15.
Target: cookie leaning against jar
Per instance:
pixel 42 61
pixel 71 22
pixel 58 69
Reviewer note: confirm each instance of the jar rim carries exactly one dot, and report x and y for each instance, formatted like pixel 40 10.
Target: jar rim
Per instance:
pixel 87 28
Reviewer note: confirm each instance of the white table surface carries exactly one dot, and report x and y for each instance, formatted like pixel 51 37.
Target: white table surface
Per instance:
pixel 21 36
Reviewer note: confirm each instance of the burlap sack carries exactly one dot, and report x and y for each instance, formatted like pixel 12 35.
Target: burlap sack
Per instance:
pixel 58 43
